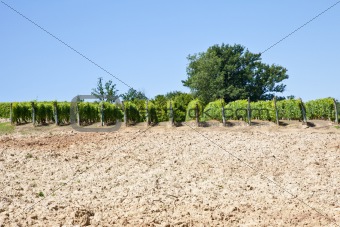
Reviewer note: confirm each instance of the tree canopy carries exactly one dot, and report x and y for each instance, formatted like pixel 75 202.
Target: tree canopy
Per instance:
pixel 233 73
pixel 133 94
pixel 108 92
pixel 172 94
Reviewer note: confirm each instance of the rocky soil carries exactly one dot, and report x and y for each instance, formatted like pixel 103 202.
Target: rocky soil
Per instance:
pixel 233 176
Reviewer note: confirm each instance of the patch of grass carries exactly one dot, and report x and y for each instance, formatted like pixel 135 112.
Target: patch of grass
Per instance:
pixel 28 155
pixel 40 194
pixel 6 128
pixel 337 126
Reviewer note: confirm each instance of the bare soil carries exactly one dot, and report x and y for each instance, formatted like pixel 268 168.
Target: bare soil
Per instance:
pixel 263 175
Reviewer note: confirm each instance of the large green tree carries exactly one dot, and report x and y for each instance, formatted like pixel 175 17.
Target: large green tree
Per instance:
pixel 232 73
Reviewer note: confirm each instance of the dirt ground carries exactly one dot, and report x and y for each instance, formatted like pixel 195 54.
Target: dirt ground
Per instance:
pixel 263 175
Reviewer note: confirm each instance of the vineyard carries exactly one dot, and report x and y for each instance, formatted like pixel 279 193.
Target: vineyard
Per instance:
pixel 177 110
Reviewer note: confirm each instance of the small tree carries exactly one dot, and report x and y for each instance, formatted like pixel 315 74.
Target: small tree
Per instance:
pixel 107 93
pixel 133 94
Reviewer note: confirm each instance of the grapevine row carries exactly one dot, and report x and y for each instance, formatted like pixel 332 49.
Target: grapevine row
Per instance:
pixel 159 110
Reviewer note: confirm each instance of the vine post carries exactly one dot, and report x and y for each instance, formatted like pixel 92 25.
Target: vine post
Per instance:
pixel 171 118
pixel 11 113
pixel 249 112
pixel 33 113
pixel 276 113
pixel 78 114
pixel 336 112
pixel 102 114
pixel 125 115
pixel 55 113
pixel 197 114
pixel 303 112
pixel 223 114
pixel 147 113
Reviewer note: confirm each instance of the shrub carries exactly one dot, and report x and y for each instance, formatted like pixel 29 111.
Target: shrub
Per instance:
pixel 111 113
pixel 213 111
pixel 263 110
pixel 88 113
pixel 179 105
pixel 43 112
pixel 141 107
pixel 5 109
pixel 190 112
pixel 63 110
pixel 132 113
pixel 152 112
pixel 321 109
pixel 236 110
pixel 22 112
pixel 160 104
pixel 289 109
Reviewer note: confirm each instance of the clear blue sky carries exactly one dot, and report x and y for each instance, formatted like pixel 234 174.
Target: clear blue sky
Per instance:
pixel 145 44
